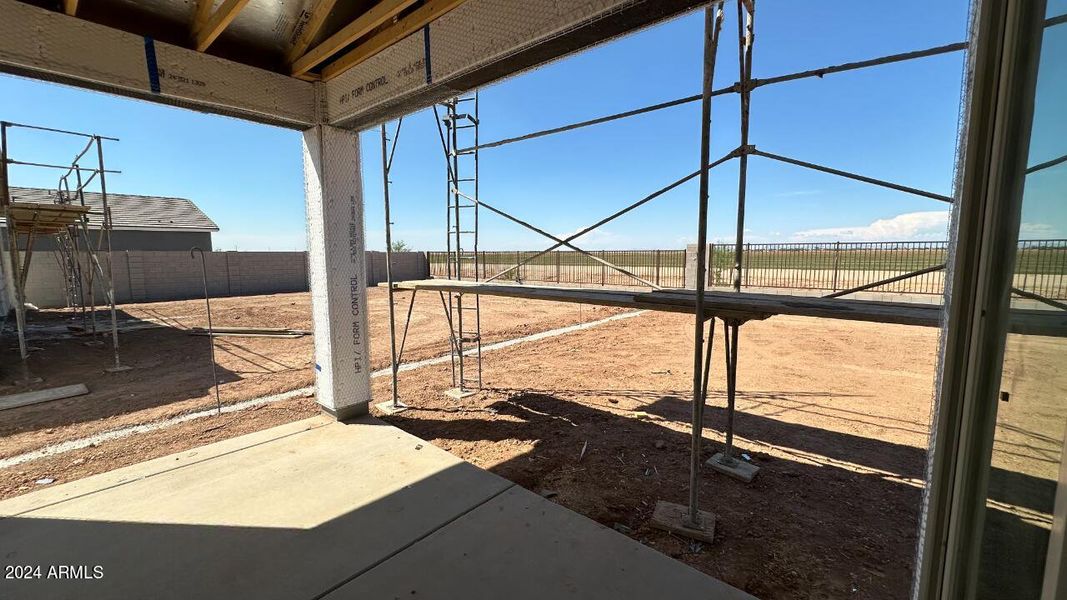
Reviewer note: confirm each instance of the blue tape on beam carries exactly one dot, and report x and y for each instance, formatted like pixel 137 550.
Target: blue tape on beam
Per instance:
pixel 150 62
pixel 426 53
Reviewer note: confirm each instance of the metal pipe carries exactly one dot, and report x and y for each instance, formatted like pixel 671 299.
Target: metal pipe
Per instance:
pixel 731 386
pixel 558 240
pixel 50 166
pixel 713 16
pixel 210 327
pixel 407 322
pixel 885 281
pixel 53 130
pixel 893 58
pixel 599 120
pixel 885 60
pixel 107 224
pixel 617 214
pixel 1039 298
pixel 1046 164
pixel 13 248
pixel 386 163
pixel 454 172
pixel 744 58
pixel 846 174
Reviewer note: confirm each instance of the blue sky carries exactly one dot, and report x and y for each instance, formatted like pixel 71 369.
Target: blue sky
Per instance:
pixel 896 122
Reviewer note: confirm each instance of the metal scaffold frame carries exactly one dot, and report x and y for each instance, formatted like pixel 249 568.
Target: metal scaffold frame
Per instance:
pixel 691 520
pixel 67 221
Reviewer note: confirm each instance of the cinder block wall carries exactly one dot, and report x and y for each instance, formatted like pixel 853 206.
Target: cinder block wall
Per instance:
pixel 147 276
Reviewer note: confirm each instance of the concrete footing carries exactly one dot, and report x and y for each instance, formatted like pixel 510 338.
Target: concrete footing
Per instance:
pixel 674 518
pixel 459 394
pixel 736 468
pixel 388 408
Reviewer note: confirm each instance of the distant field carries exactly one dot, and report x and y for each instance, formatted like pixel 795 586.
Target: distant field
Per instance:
pixel 1041 266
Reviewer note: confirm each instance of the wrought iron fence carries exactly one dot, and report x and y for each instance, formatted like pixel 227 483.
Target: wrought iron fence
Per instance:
pixel 1041 266
pixel 663 267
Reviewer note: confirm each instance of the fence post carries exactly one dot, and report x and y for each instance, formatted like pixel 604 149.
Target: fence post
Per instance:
pixel 657 267
pixel 837 262
pixel 603 270
pixel 712 275
pixel 558 274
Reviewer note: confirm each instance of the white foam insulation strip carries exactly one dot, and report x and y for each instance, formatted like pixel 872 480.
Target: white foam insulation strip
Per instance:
pixel 474 34
pixel 48 45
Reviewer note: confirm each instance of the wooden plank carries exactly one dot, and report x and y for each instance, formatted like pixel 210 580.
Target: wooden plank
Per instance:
pixel 203 13
pixel 220 19
pixel 70 7
pixel 418 19
pixel 364 24
pixel 744 305
pixel 39 396
pixel 319 12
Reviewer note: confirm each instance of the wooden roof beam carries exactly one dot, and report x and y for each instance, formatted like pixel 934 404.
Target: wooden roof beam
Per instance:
pixel 204 33
pixel 415 21
pixel 364 24
pixel 319 12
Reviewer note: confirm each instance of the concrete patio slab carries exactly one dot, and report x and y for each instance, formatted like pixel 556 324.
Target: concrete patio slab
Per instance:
pixel 520 546
pixel 319 508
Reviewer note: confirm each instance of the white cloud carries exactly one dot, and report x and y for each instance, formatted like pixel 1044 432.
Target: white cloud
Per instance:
pixel 1037 231
pixel 922 225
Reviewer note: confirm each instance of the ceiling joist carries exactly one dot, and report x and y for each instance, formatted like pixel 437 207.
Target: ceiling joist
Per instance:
pixel 418 19
pixel 205 32
pixel 318 15
pixel 364 24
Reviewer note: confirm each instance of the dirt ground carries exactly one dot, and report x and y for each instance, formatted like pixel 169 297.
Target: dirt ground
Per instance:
pixel 172 369
pixel 836 414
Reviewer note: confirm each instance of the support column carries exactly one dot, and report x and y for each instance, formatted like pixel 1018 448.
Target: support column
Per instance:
pixel 333 192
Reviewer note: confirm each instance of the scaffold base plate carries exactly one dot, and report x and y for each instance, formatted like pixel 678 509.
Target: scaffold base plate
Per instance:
pixel 674 518
pixel 388 408
pixel 459 393
pixel 735 467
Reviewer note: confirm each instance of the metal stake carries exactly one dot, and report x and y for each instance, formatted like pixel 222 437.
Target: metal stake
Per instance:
pixel 210 329
pixel 386 164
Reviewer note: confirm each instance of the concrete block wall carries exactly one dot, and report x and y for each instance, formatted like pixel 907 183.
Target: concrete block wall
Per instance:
pixel 147 276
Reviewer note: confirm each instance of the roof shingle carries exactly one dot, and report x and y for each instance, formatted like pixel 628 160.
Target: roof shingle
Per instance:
pixel 132 211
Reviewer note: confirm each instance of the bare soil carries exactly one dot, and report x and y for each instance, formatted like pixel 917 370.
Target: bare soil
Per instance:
pixel 836 414
pixel 172 369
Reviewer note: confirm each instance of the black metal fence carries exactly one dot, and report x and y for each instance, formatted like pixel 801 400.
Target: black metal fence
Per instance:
pixel 1041 266
pixel 662 267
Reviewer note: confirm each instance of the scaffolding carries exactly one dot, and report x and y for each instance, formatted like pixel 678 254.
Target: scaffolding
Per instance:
pixel 707 306
pixel 66 220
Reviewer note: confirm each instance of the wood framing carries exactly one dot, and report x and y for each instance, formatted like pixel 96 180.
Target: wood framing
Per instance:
pixel 45 44
pixel 319 12
pixel 364 24
pixel 418 19
pixel 219 20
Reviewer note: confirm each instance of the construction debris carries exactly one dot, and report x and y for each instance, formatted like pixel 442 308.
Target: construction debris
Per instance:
pixel 39 396
pixel 251 332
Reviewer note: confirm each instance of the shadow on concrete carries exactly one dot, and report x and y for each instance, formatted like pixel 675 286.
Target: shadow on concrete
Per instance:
pixel 251 524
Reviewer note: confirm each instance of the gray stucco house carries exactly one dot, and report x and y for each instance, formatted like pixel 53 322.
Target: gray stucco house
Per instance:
pixel 139 222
